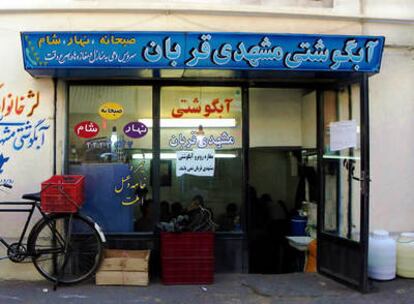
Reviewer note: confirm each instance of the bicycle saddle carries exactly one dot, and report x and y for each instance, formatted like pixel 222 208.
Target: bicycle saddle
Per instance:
pixel 32 196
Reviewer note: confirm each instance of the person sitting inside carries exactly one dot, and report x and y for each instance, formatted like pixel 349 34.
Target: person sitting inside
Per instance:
pixel 165 214
pixel 176 209
pixel 200 218
pixel 145 223
pixel 230 220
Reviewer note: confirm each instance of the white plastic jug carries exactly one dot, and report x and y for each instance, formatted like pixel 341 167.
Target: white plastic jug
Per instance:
pixel 405 255
pixel 382 256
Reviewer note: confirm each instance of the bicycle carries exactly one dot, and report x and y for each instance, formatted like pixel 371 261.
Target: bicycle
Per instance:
pixel 65 248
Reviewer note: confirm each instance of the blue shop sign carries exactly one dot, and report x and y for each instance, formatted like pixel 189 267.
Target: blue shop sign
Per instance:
pixel 191 50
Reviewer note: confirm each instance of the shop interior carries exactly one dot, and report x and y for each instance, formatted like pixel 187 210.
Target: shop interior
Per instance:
pixel 282 173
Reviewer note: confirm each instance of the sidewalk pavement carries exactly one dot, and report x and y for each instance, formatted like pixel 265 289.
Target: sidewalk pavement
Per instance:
pixel 298 288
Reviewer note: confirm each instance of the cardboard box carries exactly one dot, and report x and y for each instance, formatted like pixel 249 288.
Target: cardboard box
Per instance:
pixel 122 278
pixel 124 267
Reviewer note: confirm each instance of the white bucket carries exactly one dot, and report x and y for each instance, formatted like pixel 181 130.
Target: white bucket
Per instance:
pixel 382 256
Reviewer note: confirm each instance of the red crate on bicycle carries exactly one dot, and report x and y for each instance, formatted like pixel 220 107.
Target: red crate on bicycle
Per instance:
pixel 62 194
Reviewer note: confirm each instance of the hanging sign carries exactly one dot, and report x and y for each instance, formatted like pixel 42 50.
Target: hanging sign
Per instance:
pixel 111 111
pixel 343 135
pixel 198 162
pixel 45 53
pixel 86 129
pixel 135 129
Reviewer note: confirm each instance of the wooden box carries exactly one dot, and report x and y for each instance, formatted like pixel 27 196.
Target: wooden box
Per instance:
pixel 124 267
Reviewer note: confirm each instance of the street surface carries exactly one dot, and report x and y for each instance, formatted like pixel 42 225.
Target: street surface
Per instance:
pixel 298 288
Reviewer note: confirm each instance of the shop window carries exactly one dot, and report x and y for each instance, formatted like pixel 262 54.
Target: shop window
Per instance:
pixel 113 150
pixel 201 141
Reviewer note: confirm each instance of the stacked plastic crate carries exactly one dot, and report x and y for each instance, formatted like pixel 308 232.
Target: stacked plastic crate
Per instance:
pixel 187 257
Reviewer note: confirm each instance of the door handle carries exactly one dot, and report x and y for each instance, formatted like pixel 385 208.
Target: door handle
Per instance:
pixel 360 179
pixel 350 166
pixel 364 177
pixel 365 180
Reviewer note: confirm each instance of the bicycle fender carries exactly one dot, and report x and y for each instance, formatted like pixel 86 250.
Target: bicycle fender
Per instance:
pixel 100 232
pixel 97 227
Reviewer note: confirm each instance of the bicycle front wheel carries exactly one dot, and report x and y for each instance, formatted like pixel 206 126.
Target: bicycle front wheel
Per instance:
pixel 65 248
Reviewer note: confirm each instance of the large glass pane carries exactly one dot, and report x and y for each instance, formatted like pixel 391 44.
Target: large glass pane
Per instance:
pixel 110 147
pixel 341 162
pixel 201 141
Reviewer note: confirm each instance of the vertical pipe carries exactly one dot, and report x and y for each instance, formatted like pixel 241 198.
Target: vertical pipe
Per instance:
pixel 364 103
pixel 338 174
pixel 155 174
pixel 320 148
pixel 66 146
pixel 55 82
pixel 351 153
pixel 246 204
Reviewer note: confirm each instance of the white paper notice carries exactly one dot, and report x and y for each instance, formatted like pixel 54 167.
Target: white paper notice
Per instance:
pixel 343 135
pixel 198 162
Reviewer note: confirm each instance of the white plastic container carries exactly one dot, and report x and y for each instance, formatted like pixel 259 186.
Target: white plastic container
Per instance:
pixel 405 255
pixel 382 256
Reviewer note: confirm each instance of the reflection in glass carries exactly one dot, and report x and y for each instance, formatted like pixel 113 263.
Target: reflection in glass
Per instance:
pixel 204 125
pixel 118 193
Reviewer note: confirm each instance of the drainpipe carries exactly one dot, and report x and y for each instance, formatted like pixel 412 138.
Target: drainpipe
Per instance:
pixel 55 82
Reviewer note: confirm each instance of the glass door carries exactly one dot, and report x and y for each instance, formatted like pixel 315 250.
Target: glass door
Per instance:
pixel 343 167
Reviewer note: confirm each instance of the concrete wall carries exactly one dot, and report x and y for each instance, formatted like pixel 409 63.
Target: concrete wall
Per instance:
pixel 391 94
pixel 392 142
pixel 309 120
pixel 275 117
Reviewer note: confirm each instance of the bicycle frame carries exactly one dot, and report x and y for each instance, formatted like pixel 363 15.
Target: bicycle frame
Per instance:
pixel 31 207
pixel 61 240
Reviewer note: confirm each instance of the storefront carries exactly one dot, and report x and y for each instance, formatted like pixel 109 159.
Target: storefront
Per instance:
pixel 255 124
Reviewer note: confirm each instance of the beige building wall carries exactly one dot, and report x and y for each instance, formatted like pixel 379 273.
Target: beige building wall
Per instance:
pixel 391 91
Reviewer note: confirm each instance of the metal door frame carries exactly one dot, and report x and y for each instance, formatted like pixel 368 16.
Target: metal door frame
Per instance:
pixel 331 247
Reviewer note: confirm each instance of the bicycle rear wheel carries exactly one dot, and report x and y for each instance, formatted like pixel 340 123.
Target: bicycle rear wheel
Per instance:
pixel 64 249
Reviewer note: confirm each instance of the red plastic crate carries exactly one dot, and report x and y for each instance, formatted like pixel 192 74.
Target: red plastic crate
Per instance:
pixel 62 194
pixel 187 258
pixel 187 244
pixel 177 271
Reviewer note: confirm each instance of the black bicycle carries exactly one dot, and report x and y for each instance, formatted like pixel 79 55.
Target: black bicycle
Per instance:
pixel 66 248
